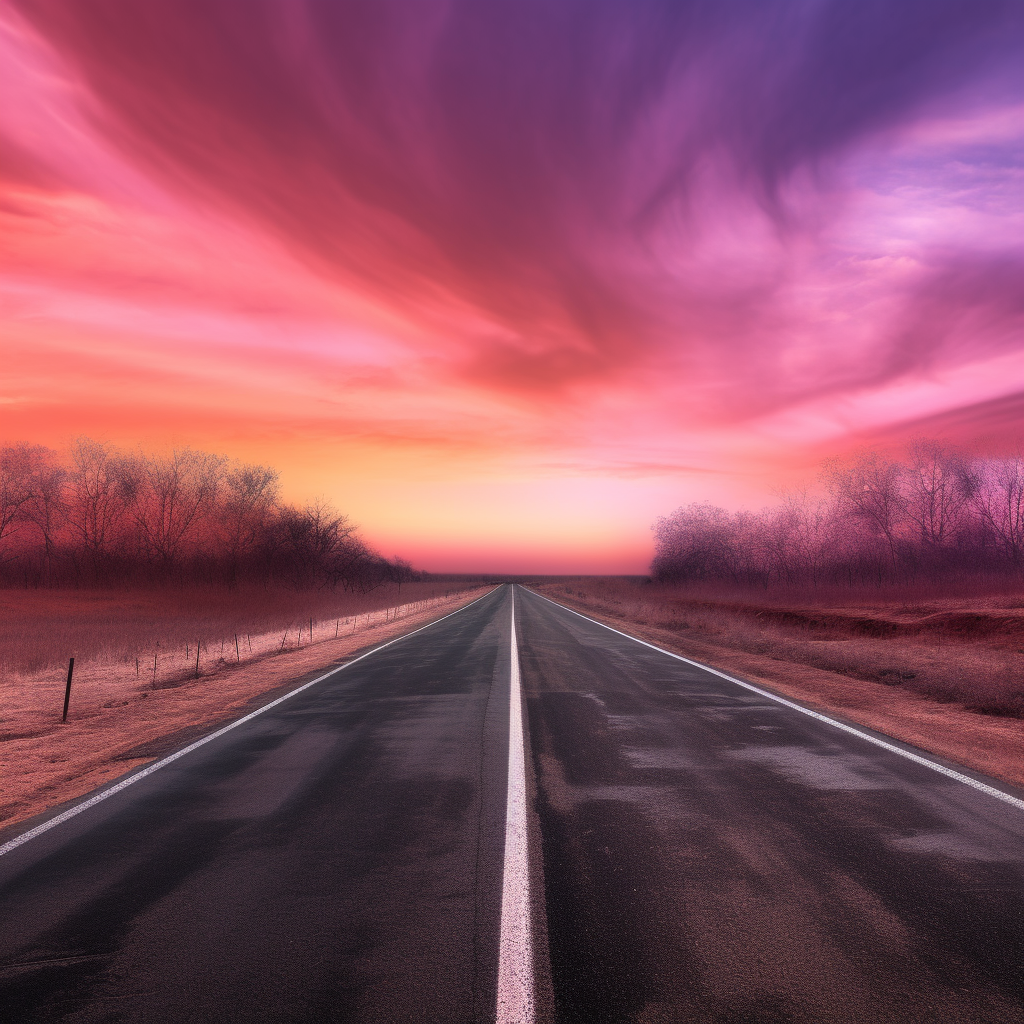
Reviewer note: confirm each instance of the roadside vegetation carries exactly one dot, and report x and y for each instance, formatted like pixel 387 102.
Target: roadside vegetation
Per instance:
pixel 964 650
pixel 906 572
pixel 158 630
pixel 894 596
pixel 184 587
pixel 936 515
pixel 97 516
pixel 131 560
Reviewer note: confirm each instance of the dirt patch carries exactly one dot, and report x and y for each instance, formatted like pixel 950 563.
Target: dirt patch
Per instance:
pixel 989 743
pixel 119 720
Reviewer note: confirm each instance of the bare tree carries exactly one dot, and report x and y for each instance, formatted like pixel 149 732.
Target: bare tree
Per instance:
pixel 96 497
pixel 316 535
pixel 694 543
pixel 997 493
pixel 868 492
pixel 788 543
pixel 16 462
pixel 352 565
pixel 169 497
pixel 937 491
pixel 45 505
pixel 249 502
pixel 938 512
pixel 750 547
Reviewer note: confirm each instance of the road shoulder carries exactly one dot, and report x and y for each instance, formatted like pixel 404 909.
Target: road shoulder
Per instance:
pixel 45 774
pixel 987 744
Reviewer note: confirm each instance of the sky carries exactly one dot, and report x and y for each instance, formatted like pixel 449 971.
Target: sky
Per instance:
pixel 506 280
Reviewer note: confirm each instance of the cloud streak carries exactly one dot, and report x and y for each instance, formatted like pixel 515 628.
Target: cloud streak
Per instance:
pixel 630 233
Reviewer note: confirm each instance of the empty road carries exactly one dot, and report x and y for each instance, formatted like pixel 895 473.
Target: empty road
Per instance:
pixel 646 841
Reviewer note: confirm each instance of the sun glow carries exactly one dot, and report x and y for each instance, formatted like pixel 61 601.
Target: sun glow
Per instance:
pixel 501 297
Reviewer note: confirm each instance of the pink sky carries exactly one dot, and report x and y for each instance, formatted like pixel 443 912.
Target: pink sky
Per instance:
pixel 506 282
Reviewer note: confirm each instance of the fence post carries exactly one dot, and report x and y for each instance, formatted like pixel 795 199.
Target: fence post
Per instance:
pixel 199 647
pixel 67 691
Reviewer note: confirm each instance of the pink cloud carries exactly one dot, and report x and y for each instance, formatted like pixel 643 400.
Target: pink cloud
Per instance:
pixel 588 239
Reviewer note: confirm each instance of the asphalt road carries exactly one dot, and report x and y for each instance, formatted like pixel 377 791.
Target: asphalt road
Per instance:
pixel 713 855
pixel 696 852
pixel 337 858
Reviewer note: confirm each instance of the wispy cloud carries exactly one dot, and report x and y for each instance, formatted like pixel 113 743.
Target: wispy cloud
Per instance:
pixel 584 232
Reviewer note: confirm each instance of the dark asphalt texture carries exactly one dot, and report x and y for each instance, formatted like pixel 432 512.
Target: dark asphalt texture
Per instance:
pixel 338 858
pixel 702 854
pixel 710 855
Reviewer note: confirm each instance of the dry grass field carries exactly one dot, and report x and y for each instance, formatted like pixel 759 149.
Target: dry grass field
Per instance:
pixel 40 629
pixel 945 673
pixel 126 712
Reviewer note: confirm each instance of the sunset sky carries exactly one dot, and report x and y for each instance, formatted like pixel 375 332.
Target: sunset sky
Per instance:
pixel 507 279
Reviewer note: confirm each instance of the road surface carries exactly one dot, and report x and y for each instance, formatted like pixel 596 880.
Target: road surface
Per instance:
pixel 662 845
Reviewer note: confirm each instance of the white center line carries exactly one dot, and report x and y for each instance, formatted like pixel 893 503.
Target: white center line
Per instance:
pixel 515 956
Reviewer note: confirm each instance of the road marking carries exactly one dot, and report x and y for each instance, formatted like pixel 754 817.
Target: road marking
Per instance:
pixel 908 754
pixel 515 956
pixel 59 819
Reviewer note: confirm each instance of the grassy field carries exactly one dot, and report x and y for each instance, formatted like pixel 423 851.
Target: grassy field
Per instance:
pixel 40 629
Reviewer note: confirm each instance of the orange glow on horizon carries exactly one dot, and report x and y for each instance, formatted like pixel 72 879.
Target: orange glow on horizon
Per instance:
pixel 307 244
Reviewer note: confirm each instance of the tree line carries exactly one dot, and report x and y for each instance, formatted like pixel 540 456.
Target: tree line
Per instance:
pixel 99 515
pixel 935 512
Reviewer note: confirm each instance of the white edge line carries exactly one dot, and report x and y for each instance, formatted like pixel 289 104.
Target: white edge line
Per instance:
pixel 909 755
pixel 515 1003
pixel 59 819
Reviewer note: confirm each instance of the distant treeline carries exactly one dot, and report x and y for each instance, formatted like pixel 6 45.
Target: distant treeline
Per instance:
pixel 938 512
pixel 100 516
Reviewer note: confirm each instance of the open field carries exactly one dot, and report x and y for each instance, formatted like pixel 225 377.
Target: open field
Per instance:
pixel 942 673
pixel 122 715
pixel 40 628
